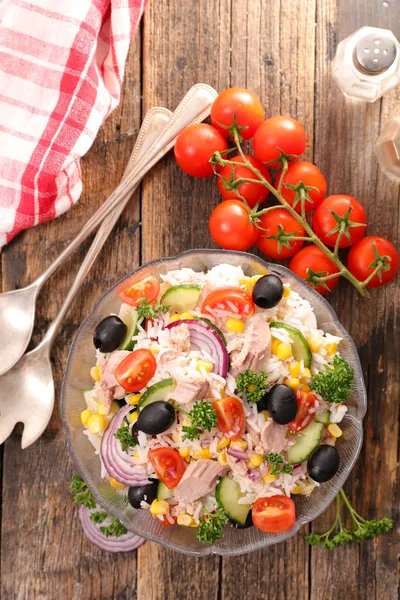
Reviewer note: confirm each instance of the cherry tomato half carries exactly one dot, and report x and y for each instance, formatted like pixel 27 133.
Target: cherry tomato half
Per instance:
pixel 148 288
pixel 305 401
pixel 311 257
pixel 324 221
pixel 253 193
pixel 195 146
pixel 363 256
pixel 274 514
pixel 136 370
pixel 279 222
pixel 168 465
pixel 279 134
pixel 310 175
pixel 164 521
pixel 239 103
pixel 230 226
pixel 231 417
pixel 223 298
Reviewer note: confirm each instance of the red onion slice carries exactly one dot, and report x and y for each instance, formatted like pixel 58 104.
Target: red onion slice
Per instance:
pixel 237 452
pixel 125 543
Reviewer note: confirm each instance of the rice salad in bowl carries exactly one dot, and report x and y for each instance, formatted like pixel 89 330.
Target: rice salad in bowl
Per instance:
pixel 216 401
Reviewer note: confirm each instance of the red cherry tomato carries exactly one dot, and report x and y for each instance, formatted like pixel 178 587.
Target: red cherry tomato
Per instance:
pixel 324 221
pixel 253 193
pixel 363 259
pixel 230 226
pixel 195 146
pixel 279 222
pixel 168 465
pixel 311 257
pixel 223 298
pixel 239 103
pixel 231 417
pixel 279 134
pixel 274 514
pixel 136 370
pixel 305 401
pixel 164 521
pixel 310 175
pixel 148 288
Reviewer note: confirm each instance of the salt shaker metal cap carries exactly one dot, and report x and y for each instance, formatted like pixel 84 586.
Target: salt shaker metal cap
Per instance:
pixel 367 63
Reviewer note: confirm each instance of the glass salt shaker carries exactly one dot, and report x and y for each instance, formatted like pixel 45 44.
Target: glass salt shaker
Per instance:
pixel 367 63
pixel 388 149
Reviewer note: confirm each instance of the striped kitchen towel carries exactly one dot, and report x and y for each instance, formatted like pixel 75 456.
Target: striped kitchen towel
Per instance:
pixel 61 69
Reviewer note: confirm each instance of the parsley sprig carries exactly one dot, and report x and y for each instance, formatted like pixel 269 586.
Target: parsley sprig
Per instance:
pixel 116 528
pixel 252 385
pixel 82 494
pixel 150 311
pixel 124 435
pixel 212 526
pixel 334 383
pixel 338 535
pixel 99 516
pixel 203 418
pixel 278 464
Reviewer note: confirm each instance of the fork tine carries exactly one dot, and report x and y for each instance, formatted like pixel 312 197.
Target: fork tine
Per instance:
pixel 32 431
pixel 6 427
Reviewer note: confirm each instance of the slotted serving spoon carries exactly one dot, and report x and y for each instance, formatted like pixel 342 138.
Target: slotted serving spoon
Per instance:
pixel 27 390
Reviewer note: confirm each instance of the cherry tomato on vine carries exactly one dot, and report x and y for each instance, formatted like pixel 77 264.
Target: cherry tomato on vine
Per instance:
pixel 274 514
pixel 239 103
pixel 231 227
pixel 195 146
pixel 279 222
pixel 279 134
pixel 312 257
pixel 327 218
pixel 253 193
pixel 311 176
pixel 364 257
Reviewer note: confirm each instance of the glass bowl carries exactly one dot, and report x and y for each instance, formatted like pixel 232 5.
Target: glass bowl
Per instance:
pixel 141 522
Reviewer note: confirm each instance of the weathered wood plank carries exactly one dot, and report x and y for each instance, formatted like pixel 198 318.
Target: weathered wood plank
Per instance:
pixel 44 553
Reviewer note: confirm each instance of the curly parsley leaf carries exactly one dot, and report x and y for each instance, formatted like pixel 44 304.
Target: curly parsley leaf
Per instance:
pixel 203 418
pixel 82 494
pixel 99 516
pixel 252 385
pixel 278 465
pixel 150 311
pixel 124 435
pixel 334 383
pixel 115 529
pixel 212 526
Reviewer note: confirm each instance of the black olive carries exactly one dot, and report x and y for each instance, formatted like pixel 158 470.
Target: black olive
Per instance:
pixel 109 333
pixel 268 291
pixel 156 417
pixel 281 403
pixel 323 463
pixel 147 492
pixel 248 523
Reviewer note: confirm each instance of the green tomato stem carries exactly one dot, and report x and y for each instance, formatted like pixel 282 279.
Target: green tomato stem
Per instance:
pixel 377 270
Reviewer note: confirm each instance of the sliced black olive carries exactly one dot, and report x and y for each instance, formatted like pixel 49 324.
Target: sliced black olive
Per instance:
pixel 323 463
pixel 268 291
pixel 146 493
pixel 156 417
pixel 281 403
pixel 109 333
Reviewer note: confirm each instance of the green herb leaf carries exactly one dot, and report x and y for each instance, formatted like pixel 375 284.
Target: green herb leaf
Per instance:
pixel 124 435
pixel 203 418
pixel 116 529
pixel 211 527
pixel 278 465
pixel 150 311
pixel 334 383
pixel 99 516
pixel 252 385
pixel 82 494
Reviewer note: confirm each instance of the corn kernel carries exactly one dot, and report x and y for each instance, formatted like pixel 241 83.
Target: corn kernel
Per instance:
pixel 314 344
pixel 95 373
pixel 116 484
pixel 204 453
pixel 174 318
pixel 133 416
pixel 223 443
pixel 154 349
pixel 159 507
pixel 136 455
pixel 249 283
pixel 186 315
pixel 185 520
pixel 275 345
pixel 134 399
pixel 271 320
pixel 292 382
pixel 101 409
pixel 202 364
pixel 96 424
pixel 266 414
pixel 305 387
pixel 184 452
pixel 85 416
pixel 241 443
pixel 222 458
pixel 306 373
pixel 334 430
pixel 235 325
pixel 297 489
pixel 294 368
pixel 186 422
pixel 256 459
pixel 268 478
pixel 286 291
pixel 194 524
pixel 307 490
pixel 331 349
pixel 176 437
pixel 284 351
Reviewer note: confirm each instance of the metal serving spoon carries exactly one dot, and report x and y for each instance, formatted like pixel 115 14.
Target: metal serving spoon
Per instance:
pixel 17 307
pixel 28 388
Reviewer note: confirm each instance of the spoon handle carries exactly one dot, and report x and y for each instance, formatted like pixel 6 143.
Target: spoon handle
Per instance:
pixel 194 108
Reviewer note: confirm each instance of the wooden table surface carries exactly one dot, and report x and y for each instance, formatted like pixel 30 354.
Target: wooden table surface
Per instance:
pixel 281 49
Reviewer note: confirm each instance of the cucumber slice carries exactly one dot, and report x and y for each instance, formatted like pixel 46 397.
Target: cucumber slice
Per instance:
pixel 324 417
pixel 306 441
pixel 92 402
pixel 227 494
pixel 211 324
pixel 181 298
pixel 300 347
pixel 156 392
pixel 129 316
pixel 163 492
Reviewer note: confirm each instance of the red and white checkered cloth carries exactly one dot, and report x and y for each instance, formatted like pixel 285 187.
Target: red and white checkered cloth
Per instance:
pixel 61 68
